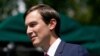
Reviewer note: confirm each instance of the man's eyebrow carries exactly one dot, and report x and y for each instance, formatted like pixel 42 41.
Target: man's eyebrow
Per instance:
pixel 33 22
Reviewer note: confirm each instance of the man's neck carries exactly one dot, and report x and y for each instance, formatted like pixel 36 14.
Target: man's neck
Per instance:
pixel 48 44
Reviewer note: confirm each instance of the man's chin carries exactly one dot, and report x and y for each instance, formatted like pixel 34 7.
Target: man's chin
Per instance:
pixel 36 44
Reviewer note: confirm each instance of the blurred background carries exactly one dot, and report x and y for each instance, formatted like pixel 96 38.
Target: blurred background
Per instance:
pixel 80 24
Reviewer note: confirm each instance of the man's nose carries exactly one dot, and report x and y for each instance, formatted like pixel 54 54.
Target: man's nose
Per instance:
pixel 29 31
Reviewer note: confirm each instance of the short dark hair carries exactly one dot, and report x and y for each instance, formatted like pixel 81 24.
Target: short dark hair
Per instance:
pixel 47 14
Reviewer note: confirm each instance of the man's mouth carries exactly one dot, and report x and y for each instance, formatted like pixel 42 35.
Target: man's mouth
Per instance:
pixel 32 38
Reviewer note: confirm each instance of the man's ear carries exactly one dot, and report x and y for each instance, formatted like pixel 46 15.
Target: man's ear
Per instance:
pixel 52 24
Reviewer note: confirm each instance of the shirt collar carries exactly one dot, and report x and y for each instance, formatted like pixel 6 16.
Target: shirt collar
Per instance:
pixel 51 51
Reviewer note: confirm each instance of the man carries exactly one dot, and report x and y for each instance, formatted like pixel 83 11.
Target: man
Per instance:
pixel 43 24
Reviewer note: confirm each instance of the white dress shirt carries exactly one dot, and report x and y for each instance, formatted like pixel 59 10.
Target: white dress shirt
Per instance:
pixel 52 49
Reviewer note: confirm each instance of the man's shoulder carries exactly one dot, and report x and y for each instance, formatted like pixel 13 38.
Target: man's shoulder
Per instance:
pixel 72 46
pixel 71 49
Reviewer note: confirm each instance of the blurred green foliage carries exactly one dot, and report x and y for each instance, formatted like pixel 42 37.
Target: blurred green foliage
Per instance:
pixel 30 3
pixel 6 7
pixel 87 12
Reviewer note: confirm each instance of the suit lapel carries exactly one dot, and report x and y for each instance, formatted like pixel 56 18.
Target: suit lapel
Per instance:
pixel 60 49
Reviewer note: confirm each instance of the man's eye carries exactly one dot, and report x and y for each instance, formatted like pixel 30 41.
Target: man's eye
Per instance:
pixel 32 24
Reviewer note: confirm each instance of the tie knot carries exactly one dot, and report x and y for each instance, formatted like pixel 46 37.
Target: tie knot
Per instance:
pixel 45 54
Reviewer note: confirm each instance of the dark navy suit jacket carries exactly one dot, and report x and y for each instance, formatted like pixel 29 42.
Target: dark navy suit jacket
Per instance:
pixel 66 49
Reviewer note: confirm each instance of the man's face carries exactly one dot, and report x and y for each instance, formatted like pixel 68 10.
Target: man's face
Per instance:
pixel 37 30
